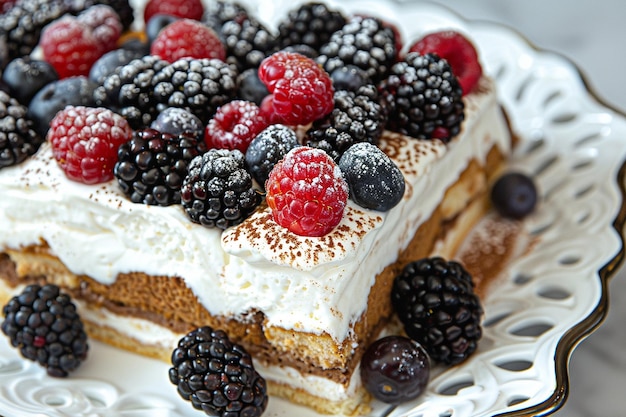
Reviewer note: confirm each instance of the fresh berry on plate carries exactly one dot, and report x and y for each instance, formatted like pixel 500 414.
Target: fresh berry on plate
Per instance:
pixel 187 38
pixel 514 195
pixel 395 369
pixel 374 180
pixel 301 90
pixel 42 322
pixel 306 192
pixel 435 301
pixel 18 137
pixel 189 9
pixel 267 148
pixel 85 141
pixel 217 375
pixel 458 51
pixel 234 125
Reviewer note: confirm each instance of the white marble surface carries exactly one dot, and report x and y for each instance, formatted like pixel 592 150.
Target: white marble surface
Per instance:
pixel 590 34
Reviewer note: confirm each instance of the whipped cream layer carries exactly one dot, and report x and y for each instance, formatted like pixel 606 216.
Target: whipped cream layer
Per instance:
pixel 316 285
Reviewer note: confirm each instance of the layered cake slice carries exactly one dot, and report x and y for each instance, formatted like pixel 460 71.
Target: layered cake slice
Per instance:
pixel 305 307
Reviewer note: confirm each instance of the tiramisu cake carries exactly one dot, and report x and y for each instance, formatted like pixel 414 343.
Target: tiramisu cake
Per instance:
pixel 303 289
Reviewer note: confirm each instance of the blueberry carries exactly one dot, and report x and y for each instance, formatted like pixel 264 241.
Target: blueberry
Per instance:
pixel 302 49
pixel 251 88
pixel 395 369
pixel 374 180
pixel 156 23
pixel 175 120
pixel 349 78
pixel 514 195
pixel 108 62
pixel 26 76
pixel 267 148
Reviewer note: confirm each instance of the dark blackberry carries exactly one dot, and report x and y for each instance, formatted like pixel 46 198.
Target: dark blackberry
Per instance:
pixel 21 25
pixel 250 86
pixel 217 375
pixel 267 148
pixel 42 322
pixel 123 8
pixel 25 76
pixel 152 165
pixel 247 42
pixel 197 85
pixel 218 12
pixel 364 42
pixel 310 24
pixel 218 191
pixel 18 138
pixel 175 121
pixel 356 117
pixel 435 301
pixel 425 98
pixel 129 91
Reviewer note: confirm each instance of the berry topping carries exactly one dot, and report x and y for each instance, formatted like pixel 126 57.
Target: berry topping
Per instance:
pixel 189 9
pixel 425 98
pixel 18 138
pixel 234 125
pixel 175 121
pixel 310 24
pixel 152 165
pixel 514 195
pixel 374 180
pixel 301 90
pixel 395 369
pixel 85 141
pixel 217 375
pixel 306 192
pixel 458 51
pixel 186 38
pixel 218 190
pixel 104 23
pixel 435 301
pixel 42 322
pixel 26 76
pixel 267 148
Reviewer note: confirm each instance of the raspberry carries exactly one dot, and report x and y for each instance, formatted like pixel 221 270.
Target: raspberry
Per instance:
pixel 234 125
pixel 302 91
pixel 189 9
pixel 458 51
pixel 186 38
pixel 306 192
pixel 70 46
pixel 85 141
pixel 105 25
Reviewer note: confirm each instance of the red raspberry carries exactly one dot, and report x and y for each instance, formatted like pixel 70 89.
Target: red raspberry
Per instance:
pixel 85 140
pixel 188 9
pixel 105 25
pixel 187 38
pixel 306 192
pixel 458 51
pixel 234 125
pixel 302 91
pixel 70 46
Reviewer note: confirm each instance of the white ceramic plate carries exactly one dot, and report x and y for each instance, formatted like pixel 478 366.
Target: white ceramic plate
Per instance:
pixel 547 302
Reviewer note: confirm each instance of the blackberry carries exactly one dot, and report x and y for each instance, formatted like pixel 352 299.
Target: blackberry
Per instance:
pixel 129 91
pixel 42 322
pixel 25 76
pixel 217 375
pixel 356 117
pixel 310 24
pixel 218 190
pixel 425 98
pixel 247 42
pixel 18 138
pixel 152 165
pixel 267 148
pixel 435 301
pixel 364 42
pixel 197 85
pixel 218 12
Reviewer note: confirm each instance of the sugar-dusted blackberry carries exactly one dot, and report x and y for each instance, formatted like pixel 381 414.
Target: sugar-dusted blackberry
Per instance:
pixel 425 98
pixel 218 191
pixel 129 90
pixel 25 76
pixel 247 42
pixel 310 24
pixel 435 301
pixel 217 375
pixel 198 85
pixel 175 121
pixel 267 148
pixel 21 25
pixel 365 42
pixel 250 86
pixel 42 322
pixel 356 117
pixel 152 165
pixel 18 138
pixel 218 12
pixel 123 8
